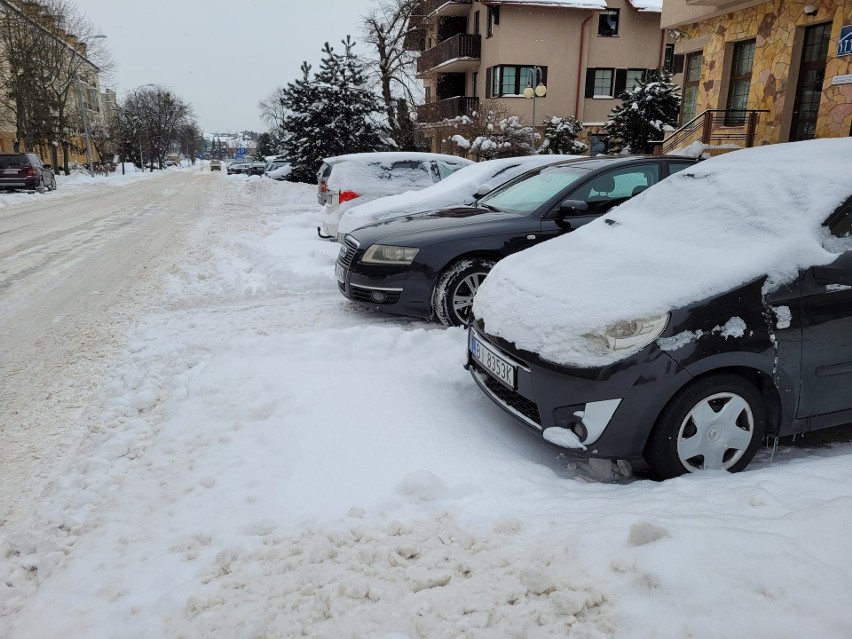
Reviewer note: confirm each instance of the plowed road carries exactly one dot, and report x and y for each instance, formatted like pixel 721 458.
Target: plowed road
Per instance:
pixel 75 270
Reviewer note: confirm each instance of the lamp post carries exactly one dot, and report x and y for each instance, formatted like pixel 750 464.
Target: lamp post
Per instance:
pixel 539 90
pixel 83 108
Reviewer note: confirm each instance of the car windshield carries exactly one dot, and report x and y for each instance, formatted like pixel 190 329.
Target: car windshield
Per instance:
pixel 526 195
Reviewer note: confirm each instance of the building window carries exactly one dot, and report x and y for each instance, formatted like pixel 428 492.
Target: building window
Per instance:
pixel 741 66
pixel 428 97
pixel 476 22
pixel 690 86
pixel 493 19
pixel 634 77
pixel 608 23
pixel 511 80
pixel 668 58
pixel 599 83
pixel 475 91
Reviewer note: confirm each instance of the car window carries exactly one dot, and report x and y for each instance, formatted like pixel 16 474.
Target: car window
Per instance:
pixel 534 190
pixel 840 226
pixel 678 165
pixel 446 169
pixel 614 187
pixel 13 160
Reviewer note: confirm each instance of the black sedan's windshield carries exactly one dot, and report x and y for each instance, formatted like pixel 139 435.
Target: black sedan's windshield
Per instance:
pixel 529 193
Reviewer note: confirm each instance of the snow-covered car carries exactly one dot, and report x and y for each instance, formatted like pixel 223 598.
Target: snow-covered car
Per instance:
pixel 345 181
pixel 278 170
pixel 462 187
pixel 215 165
pixel 686 325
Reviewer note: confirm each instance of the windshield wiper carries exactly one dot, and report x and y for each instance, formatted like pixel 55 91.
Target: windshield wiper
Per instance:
pixel 490 208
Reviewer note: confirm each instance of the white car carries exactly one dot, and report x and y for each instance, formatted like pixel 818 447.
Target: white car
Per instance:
pixel 464 186
pixel 346 181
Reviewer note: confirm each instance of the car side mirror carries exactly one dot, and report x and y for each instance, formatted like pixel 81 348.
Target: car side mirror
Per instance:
pixel 47 166
pixel 573 207
pixel 483 190
pixel 838 272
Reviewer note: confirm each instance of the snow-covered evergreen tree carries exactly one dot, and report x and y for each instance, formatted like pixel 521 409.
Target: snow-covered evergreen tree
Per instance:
pixel 560 137
pixel 644 113
pixel 495 133
pixel 330 114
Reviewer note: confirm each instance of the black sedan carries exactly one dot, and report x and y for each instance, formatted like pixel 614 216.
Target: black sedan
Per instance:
pixel 431 264
pixel 709 313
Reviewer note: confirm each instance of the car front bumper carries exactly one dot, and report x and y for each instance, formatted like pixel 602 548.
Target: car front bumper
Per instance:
pixel 610 410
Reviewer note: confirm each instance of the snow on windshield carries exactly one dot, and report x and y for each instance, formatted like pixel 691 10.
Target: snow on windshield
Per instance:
pixel 456 189
pixel 696 234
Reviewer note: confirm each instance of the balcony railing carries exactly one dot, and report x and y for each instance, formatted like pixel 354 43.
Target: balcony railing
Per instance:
pixel 448 109
pixel 463 47
pixel 715 127
pixel 448 7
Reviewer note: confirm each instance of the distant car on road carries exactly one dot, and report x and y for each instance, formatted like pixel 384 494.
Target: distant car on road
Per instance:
pixel 25 171
pixel 215 165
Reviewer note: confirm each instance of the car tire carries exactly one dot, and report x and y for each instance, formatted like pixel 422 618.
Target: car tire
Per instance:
pixel 452 299
pixel 41 188
pixel 717 422
pixel 52 185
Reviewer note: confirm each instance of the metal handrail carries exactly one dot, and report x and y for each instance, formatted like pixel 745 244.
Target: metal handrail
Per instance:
pixel 461 45
pixel 716 125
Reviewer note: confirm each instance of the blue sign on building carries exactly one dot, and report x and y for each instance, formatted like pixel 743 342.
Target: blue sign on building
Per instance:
pixel 844 46
pixel 241 152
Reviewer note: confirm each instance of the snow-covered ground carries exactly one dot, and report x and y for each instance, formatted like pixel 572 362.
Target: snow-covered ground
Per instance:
pixel 273 461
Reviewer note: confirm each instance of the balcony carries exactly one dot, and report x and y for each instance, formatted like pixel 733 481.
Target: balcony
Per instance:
pixel 458 54
pixel 446 7
pixel 436 112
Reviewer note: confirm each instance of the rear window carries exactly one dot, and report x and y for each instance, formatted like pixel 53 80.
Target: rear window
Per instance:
pixel 14 160
pixel 380 177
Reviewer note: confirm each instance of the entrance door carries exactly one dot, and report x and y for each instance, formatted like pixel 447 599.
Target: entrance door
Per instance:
pixel 809 85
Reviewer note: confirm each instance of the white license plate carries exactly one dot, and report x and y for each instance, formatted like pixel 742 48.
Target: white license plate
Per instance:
pixel 501 368
pixel 340 272
pixel 10 171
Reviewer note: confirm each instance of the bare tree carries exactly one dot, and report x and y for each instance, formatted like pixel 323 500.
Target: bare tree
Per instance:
pixel 389 28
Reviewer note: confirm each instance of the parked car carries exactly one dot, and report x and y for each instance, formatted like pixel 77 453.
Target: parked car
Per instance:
pixel 711 311
pixel 431 264
pixel 462 187
pixel 25 171
pixel 281 172
pixel 239 167
pixel 215 165
pixel 346 181
pixel 276 163
pixel 256 168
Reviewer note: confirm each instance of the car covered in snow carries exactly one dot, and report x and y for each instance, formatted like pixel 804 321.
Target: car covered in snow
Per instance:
pixel 462 187
pixel 345 181
pixel 688 324
pixel 430 264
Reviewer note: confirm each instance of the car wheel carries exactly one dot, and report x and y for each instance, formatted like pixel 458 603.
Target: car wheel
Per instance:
pixel 452 300
pixel 52 186
pixel 716 423
pixel 41 188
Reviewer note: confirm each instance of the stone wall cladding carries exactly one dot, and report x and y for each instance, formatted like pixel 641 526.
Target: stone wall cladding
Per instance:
pixel 773 25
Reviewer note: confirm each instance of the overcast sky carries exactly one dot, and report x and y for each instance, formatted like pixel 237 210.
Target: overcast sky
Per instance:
pixel 222 56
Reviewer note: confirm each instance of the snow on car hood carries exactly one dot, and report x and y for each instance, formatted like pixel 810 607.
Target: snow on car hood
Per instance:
pixel 458 188
pixel 694 235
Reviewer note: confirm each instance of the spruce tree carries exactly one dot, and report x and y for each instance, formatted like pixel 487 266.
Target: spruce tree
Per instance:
pixel 644 113
pixel 331 114
pixel 560 136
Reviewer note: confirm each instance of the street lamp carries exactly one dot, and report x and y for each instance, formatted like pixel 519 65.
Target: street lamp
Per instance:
pixel 539 91
pixel 83 109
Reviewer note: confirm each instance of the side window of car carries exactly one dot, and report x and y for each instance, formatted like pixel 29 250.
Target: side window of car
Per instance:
pixel 840 226
pixel 676 165
pixel 614 187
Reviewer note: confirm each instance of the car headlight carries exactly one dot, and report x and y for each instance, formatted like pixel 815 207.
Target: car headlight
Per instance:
pixel 383 254
pixel 634 334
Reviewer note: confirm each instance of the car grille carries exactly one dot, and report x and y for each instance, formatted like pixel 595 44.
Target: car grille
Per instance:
pixel 508 397
pixel 345 258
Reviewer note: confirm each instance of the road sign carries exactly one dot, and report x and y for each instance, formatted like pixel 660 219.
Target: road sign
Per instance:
pixel 241 152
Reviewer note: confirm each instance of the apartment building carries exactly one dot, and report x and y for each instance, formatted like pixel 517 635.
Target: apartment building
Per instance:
pixel 84 101
pixel 775 71
pixel 584 53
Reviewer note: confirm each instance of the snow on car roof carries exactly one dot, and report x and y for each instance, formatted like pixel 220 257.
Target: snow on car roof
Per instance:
pixel 394 156
pixel 456 189
pixel 696 234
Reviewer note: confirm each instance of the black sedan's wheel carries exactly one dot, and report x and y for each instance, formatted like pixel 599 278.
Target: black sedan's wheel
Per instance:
pixel 52 185
pixel 452 299
pixel 41 188
pixel 715 423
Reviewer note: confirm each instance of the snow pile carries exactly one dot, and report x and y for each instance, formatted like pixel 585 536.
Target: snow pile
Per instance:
pixel 709 228
pixel 460 188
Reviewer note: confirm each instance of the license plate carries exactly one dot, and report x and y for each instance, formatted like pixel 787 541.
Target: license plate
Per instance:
pixel 340 272
pixel 501 368
pixel 10 171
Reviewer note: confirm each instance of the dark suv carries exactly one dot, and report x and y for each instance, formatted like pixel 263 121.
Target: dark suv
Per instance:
pixel 25 171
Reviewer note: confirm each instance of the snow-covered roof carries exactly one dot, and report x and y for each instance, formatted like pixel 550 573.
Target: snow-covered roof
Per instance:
pixel 566 4
pixel 699 233
pixel 647 6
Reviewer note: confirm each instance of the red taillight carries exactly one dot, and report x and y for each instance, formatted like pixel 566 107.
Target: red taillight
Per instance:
pixel 323 186
pixel 31 172
pixel 345 196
